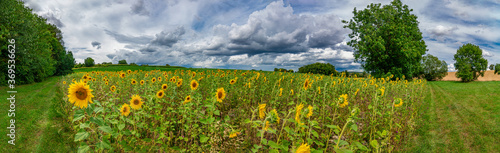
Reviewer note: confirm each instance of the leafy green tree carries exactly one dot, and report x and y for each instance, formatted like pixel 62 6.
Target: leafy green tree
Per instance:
pixel 492 67
pixel 122 62
pixel 433 68
pixel 469 62
pixel 89 62
pixel 497 69
pixel 387 40
pixel 319 68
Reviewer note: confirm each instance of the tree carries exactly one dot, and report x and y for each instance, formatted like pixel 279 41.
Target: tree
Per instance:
pixel 497 69
pixel 492 67
pixel 433 68
pixel 122 62
pixel 319 68
pixel 387 40
pixel 469 62
pixel 89 62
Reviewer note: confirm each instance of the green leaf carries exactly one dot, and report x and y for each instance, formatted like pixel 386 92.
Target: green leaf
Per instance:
pixel 81 135
pixel 97 121
pixel 217 112
pixel 374 144
pixel 343 143
pixel 98 109
pixel 273 144
pixel 360 146
pixel 79 114
pixel 314 133
pixel 104 144
pixel 341 150
pixel 83 148
pixel 106 129
pixel 121 126
pixel 264 141
pixel 354 127
pixel 203 138
pixel 84 125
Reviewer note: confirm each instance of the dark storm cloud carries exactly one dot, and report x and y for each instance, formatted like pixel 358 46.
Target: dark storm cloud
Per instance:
pixel 139 8
pixel 96 44
pixel 129 39
pixel 168 38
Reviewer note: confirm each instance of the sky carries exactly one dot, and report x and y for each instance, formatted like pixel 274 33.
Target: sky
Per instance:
pixel 256 34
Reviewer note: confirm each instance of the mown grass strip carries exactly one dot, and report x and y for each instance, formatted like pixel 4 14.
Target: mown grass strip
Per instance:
pixel 459 117
pixel 37 129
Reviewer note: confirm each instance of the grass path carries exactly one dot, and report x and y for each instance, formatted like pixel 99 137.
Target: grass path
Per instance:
pixel 459 117
pixel 37 127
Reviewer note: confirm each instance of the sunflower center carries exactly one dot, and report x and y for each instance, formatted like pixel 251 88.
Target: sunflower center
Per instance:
pixel 81 94
pixel 160 94
pixel 125 109
pixel 194 85
pixel 164 87
pixel 136 102
pixel 219 95
pixel 188 98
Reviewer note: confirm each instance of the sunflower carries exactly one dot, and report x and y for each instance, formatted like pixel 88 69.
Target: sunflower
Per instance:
pixel 343 99
pixel 319 90
pixel 85 77
pixel 262 109
pixel 298 111
pixel 122 75
pixel 136 102
pixel 232 81
pixel 112 88
pixel 146 75
pixel 310 109
pixel 382 90
pixel 220 94
pixel 355 93
pixel 307 84
pixel 64 82
pixel 281 91
pixel 125 110
pixel 106 83
pixel 142 82
pixel 234 134
pixel 133 81
pixel 172 79
pixel 179 83
pixel 304 148
pixel 153 80
pixel 159 79
pixel 160 94
pixel 164 86
pixel 400 102
pixel 187 99
pixel 194 85
pixel 276 115
pixel 291 91
pixel 80 94
pixel 129 71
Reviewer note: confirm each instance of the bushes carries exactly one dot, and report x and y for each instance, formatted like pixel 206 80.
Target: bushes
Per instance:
pixel 319 68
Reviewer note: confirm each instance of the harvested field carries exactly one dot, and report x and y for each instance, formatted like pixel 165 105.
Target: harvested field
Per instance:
pixel 488 76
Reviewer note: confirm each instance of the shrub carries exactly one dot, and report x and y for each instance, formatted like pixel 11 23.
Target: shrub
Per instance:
pixel 433 68
pixel 122 62
pixel 319 68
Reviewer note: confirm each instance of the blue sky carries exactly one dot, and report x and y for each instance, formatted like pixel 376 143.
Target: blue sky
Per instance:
pixel 257 34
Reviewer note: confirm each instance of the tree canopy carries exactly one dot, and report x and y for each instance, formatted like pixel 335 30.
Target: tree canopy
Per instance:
pixel 319 68
pixel 433 68
pixel 39 48
pixel 387 40
pixel 469 62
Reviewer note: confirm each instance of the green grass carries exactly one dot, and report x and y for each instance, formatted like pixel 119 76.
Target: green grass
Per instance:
pixel 459 117
pixel 38 127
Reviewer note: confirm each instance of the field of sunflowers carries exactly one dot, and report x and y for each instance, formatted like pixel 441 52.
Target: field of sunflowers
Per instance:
pixel 238 111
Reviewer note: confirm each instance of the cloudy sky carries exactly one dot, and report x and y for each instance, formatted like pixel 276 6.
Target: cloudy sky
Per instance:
pixel 256 34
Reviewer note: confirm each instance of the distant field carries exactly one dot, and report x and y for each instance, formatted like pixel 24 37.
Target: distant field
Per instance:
pixel 488 76
pixel 126 67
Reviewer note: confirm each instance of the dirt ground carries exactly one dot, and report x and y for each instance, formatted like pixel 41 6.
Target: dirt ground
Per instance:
pixel 488 76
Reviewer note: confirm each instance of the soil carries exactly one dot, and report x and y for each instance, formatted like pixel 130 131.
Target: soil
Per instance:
pixel 488 76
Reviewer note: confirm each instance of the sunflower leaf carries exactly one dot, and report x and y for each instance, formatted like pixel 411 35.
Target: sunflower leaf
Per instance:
pixel 97 121
pixel 203 138
pixel 106 129
pixel 81 136
pixel 83 148
pixel 79 114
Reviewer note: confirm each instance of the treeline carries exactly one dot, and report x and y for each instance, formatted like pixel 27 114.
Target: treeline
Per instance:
pixel 39 47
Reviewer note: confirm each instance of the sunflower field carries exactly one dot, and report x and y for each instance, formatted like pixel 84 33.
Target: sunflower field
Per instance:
pixel 238 111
